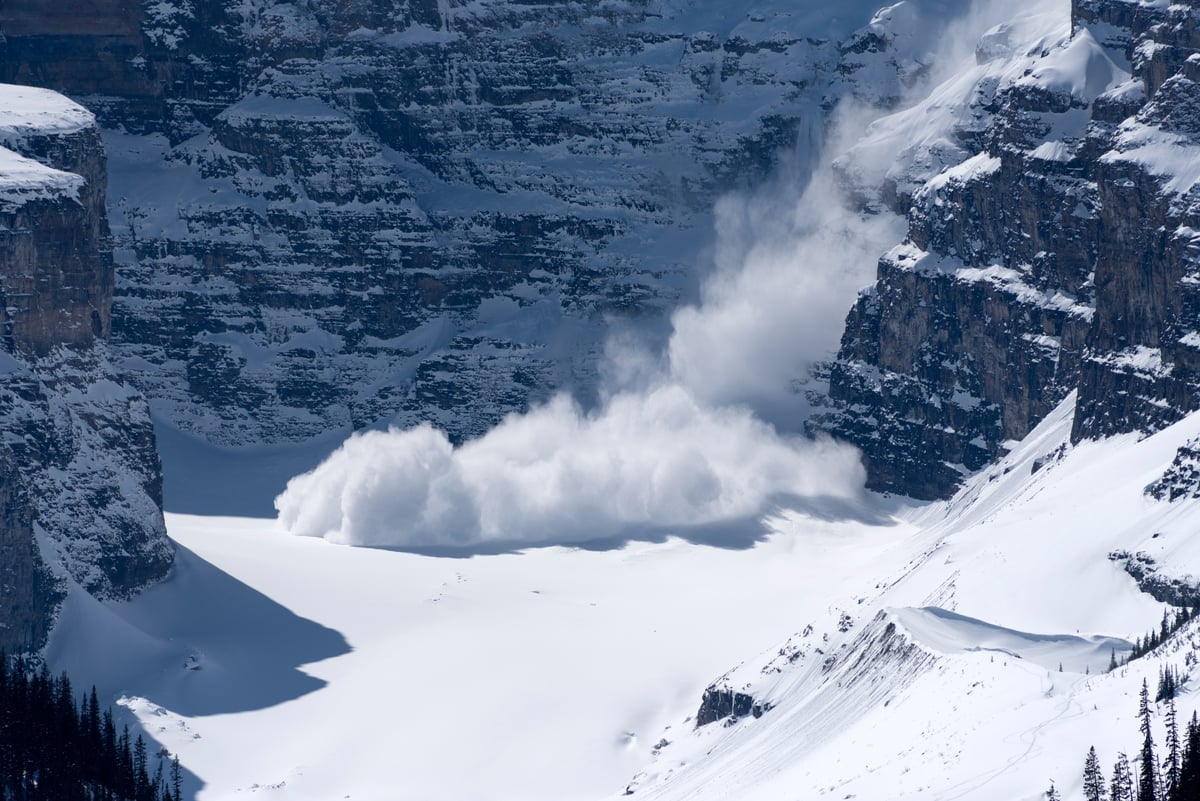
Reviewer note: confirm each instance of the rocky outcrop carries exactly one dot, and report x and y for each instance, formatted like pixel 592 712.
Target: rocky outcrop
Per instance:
pixel 80 486
pixel 1050 253
pixel 1140 372
pixel 718 704
pixel 29 593
pixel 57 285
pixel 1181 591
pixel 1181 480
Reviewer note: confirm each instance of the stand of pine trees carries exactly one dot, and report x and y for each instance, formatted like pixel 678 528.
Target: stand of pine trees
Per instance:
pixel 1175 778
pixel 54 747
pixel 1171 623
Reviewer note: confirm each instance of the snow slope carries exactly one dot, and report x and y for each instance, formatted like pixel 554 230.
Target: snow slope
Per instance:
pixel 374 674
pixel 981 675
pixel 570 673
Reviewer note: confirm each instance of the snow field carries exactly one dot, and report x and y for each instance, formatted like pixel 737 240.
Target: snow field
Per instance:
pixel 289 665
pixel 964 698
pixel 545 674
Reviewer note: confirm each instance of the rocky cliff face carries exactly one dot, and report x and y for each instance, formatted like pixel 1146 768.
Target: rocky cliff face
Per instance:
pixel 330 214
pixel 1143 352
pixel 80 487
pixel 1048 250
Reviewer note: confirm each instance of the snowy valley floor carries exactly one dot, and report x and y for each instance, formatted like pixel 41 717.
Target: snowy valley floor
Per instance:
pixel 287 667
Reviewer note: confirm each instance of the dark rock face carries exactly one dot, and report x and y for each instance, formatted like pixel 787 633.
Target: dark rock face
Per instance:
pixel 414 211
pixel 718 703
pixel 1180 481
pixel 29 593
pixel 1057 257
pixel 80 485
pixel 57 287
pixel 1142 568
pixel 87 462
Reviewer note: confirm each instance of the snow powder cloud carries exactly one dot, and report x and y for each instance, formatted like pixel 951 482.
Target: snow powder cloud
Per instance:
pixel 787 271
pixel 680 439
pixel 558 474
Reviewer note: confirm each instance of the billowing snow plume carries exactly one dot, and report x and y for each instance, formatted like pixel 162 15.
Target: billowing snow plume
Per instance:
pixel 786 271
pixel 675 444
pixel 679 441
pixel 559 475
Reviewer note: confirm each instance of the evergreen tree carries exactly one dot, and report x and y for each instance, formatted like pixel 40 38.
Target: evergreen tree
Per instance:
pixel 141 774
pixel 159 786
pixel 1122 780
pixel 176 779
pixel 1093 778
pixel 1171 766
pixel 1147 786
pixel 1189 769
pixel 56 747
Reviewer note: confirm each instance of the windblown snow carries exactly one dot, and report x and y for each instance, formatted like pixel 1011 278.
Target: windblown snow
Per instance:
pixel 559 475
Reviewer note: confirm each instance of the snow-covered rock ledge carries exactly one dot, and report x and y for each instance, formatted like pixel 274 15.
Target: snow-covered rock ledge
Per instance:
pixel 80 484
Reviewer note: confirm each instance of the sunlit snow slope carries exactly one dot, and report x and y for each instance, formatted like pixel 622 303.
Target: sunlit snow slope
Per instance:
pixel 978 670
pixel 314 671
pixel 323 671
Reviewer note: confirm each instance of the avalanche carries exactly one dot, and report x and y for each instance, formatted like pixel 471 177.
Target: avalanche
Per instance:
pixel 939 651
pixel 920 657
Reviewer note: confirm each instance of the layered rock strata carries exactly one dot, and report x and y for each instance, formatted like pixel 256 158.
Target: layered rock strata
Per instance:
pixel 1050 238
pixel 80 486
pixel 332 214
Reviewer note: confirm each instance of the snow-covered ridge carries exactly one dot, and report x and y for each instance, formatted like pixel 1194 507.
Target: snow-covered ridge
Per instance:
pixel 23 180
pixel 928 135
pixel 29 111
pixel 1170 156
pixel 948 633
pixel 993 679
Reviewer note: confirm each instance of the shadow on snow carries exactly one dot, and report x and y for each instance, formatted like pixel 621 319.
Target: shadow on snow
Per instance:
pixel 738 534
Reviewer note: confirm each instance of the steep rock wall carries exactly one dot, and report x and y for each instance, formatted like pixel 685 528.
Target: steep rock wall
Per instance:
pixel 1050 252
pixel 80 486
pixel 332 214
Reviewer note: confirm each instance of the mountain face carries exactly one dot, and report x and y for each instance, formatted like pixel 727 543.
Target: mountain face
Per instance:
pixel 79 475
pixel 332 214
pixel 328 216
pixel 1049 248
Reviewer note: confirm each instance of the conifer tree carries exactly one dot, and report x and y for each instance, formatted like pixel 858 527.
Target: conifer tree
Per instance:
pixel 1189 769
pixel 158 784
pixel 1122 780
pixel 1171 765
pixel 176 779
pixel 56 747
pixel 1147 786
pixel 1093 778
